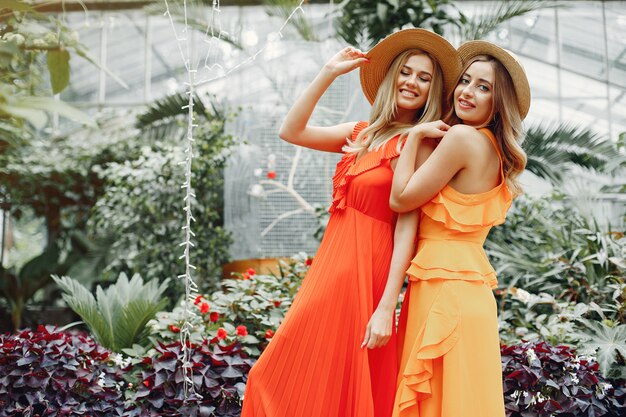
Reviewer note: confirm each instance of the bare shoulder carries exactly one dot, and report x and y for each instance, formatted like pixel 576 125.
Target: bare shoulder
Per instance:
pixel 462 134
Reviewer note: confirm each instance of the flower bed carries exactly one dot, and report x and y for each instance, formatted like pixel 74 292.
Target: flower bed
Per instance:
pixel 46 372
pixel 542 380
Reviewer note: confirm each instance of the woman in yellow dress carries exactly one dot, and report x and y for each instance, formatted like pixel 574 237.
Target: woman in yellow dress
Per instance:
pixel 466 178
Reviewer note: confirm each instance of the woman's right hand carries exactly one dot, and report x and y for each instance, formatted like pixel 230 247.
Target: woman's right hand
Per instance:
pixel 433 130
pixel 345 61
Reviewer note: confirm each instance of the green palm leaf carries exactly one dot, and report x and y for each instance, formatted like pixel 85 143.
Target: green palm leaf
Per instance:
pixel 489 18
pixel 166 108
pixel 79 299
pixel 117 316
pixel 554 147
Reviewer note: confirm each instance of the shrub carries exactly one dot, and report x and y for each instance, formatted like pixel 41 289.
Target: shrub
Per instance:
pixel 548 246
pixel 535 317
pixel 544 380
pixel 117 316
pixel 248 310
pixel 49 372
pixel 219 377
pixel 141 208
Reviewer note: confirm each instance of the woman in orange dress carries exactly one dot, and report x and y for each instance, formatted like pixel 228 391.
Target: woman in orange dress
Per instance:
pixel 466 177
pixel 316 365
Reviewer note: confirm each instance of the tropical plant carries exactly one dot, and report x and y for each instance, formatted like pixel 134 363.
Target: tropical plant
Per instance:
pixel 543 380
pixel 18 286
pixel 24 96
pixel 50 372
pixel 56 181
pixel 608 344
pixel 247 311
pixel 489 16
pixel 365 22
pixel 140 211
pixel 118 315
pixel 552 148
pixel 546 245
pixel 537 317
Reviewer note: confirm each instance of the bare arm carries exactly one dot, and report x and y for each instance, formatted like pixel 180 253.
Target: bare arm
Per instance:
pixel 295 128
pixel 379 328
pixel 411 189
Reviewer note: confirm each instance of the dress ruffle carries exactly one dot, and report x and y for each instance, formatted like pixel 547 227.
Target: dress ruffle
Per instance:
pixel 439 259
pixel 348 167
pixel 438 335
pixel 469 212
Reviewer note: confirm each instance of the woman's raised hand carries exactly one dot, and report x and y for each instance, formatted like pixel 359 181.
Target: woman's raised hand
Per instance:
pixel 433 130
pixel 345 61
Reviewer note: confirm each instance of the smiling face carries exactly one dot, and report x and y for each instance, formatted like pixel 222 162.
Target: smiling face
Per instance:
pixel 412 86
pixel 474 96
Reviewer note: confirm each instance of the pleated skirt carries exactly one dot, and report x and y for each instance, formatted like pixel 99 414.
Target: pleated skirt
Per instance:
pixel 314 365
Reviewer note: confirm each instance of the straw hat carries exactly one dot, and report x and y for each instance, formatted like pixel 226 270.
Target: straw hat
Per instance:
pixel 382 55
pixel 470 49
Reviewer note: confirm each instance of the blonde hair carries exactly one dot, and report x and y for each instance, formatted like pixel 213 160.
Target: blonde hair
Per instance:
pixel 504 121
pixel 382 125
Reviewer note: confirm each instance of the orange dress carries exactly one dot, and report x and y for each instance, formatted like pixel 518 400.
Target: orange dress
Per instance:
pixel 448 329
pixel 314 365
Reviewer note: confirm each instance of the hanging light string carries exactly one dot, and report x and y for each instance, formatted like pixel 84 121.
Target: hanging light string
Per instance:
pixel 183 43
pixel 251 58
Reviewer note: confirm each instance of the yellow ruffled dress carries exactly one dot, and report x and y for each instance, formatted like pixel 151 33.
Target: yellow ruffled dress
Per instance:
pixel 448 330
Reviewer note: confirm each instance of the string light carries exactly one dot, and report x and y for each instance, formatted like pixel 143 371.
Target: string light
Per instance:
pixel 184 47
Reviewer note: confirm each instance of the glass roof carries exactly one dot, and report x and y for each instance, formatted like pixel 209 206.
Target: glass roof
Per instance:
pixel 574 56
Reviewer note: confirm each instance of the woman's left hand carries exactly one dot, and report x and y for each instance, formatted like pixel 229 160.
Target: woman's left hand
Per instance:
pixel 378 330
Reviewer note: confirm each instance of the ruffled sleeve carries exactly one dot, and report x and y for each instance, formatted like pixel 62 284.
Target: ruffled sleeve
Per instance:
pixel 348 167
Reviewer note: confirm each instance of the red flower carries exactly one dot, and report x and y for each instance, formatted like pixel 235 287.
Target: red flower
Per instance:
pixel 251 271
pixel 147 383
pixel 174 329
pixel 308 261
pixel 197 300
pixel 271 174
pixel 215 316
pixel 221 333
pixel 242 331
pixel 277 303
pixel 269 334
pixel 245 276
pixel 204 307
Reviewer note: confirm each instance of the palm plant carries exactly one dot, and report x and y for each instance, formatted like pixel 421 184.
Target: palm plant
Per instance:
pixel 118 315
pixel 488 17
pixel 365 22
pixel 552 148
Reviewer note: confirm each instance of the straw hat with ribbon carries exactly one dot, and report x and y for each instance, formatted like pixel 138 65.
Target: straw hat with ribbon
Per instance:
pixel 382 55
pixel 471 49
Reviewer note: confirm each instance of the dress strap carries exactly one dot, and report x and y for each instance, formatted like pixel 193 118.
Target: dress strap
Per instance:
pixel 494 142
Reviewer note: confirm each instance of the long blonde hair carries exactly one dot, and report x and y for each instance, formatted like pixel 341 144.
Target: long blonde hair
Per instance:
pixel 382 125
pixel 504 121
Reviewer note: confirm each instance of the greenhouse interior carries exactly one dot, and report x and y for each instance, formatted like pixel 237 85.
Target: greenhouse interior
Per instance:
pixel 156 229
